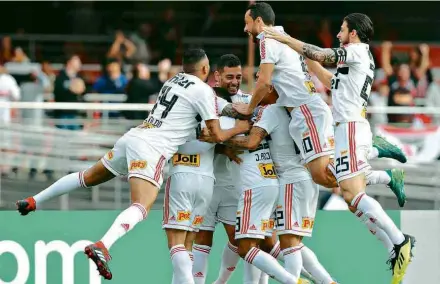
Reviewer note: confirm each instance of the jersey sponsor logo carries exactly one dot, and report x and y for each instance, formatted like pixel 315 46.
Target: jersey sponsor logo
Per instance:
pixel 110 155
pixel 307 223
pixel 265 225
pixel 186 160
pixel 267 170
pixel 183 216
pixel 198 220
pixel 310 86
pixel 138 164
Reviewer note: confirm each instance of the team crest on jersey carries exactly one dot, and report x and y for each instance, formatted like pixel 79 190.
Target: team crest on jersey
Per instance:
pixel 331 142
pixel 186 160
pixel 110 155
pixel 183 216
pixel 307 223
pixel 138 164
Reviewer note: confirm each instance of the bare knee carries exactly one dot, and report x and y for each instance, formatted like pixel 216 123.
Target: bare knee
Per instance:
pixel 268 244
pixel 245 245
pixel 204 238
pixel 175 237
pixel 288 241
pixel 97 174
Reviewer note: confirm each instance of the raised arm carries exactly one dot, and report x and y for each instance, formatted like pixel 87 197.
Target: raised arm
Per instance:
pixel 249 142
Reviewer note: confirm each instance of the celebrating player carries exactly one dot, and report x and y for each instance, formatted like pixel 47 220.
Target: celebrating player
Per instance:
pixel 143 151
pixel 351 86
pixel 312 123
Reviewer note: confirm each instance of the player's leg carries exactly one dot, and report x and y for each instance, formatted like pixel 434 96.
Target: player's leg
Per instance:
pixel 145 179
pixel 311 128
pixel 111 165
pixel 351 156
pixel 255 205
pixel 226 214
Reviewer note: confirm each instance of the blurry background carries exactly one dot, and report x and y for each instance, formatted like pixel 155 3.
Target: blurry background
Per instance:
pixel 122 52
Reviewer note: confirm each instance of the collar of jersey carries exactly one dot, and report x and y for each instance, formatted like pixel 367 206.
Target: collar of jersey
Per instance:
pixel 278 28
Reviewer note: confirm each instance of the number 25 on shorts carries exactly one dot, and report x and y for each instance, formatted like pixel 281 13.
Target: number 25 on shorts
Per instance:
pixel 267 170
pixel 342 164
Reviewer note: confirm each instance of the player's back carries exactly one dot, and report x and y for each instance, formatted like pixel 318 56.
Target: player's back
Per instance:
pixel 285 155
pixel 290 77
pixel 182 103
pixel 351 84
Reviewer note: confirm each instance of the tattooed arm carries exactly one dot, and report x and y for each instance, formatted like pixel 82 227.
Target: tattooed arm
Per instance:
pixel 323 55
pixel 249 142
pixel 228 110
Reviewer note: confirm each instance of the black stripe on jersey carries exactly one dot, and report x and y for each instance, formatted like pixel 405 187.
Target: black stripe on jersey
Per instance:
pixel 262 146
pixel 342 70
pixel 297 151
pixel 340 54
pixel 198 118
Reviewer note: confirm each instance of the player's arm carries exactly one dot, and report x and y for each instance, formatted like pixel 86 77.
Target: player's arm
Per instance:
pixel 323 74
pixel 263 86
pixel 219 135
pixel 323 55
pixel 229 111
pixel 249 142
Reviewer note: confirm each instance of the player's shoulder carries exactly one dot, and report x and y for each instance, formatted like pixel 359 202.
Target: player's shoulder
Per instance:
pixel 358 48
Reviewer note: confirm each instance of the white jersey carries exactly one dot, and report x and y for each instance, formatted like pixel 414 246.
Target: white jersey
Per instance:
pixel 257 168
pixel 184 101
pixel 195 156
pixel 9 91
pixel 351 84
pixel 285 155
pixel 223 167
pixel 290 77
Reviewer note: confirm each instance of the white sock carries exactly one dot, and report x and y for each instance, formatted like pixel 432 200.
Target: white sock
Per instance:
pixel 375 230
pixel 62 186
pixel 264 278
pixel 276 252
pixel 266 263
pixel 372 209
pixel 182 265
pixel 230 259
pixel 373 153
pixel 124 223
pixel 200 266
pixel 251 274
pixel 314 267
pixel 377 177
pixel 293 260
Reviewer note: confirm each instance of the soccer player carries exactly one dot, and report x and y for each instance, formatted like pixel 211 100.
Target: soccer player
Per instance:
pixel 143 151
pixel 312 123
pixel 223 206
pixel 351 86
pixel 298 194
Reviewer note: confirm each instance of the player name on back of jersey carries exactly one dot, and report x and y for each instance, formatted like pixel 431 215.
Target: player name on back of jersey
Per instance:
pixel 181 80
pixel 151 122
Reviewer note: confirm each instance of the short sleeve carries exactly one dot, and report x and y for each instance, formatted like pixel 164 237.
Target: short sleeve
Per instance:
pixel 345 55
pixel 206 104
pixel 266 118
pixel 268 51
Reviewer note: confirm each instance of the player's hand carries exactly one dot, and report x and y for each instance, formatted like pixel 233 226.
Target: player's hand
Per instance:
pixel 232 154
pixel 387 45
pixel 242 109
pixel 243 125
pixel 424 49
pixel 271 32
pixel 205 136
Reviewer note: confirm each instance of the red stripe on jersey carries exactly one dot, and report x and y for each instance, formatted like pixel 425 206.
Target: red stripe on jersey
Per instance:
pixel 263 48
pixel 311 125
pixel 166 202
pixel 159 168
pixel 352 146
pixel 246 211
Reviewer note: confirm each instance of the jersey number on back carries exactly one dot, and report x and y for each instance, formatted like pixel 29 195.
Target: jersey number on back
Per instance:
pixel 162 99
pixel 368 82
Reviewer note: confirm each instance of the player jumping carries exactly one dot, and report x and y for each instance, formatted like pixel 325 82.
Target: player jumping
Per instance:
pixel 351 86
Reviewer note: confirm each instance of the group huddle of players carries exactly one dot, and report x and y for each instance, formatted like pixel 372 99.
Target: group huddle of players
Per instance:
pixel 253 162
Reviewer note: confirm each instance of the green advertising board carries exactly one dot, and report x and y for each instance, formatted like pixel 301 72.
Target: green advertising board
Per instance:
pixel 46 248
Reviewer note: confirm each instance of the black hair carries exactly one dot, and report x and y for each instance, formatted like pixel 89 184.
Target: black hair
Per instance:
pixel 69 57
pixel 223 93
pixel 263 10
pixel 191 57
pixel 362 24
pixel 228 60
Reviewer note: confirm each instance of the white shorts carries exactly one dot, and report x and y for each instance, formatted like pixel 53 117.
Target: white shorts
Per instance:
pixel 353 141
pixel 223 207
pixel 254 211
pixel 186 201
pixel 133 156
pixel 296 208
pixel 311 128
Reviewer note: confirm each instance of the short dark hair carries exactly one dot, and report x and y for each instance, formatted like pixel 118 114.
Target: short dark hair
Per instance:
pixel 362 24
pixel 69 57
pixel 228 60
pixel 263 10
pixel 191 57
